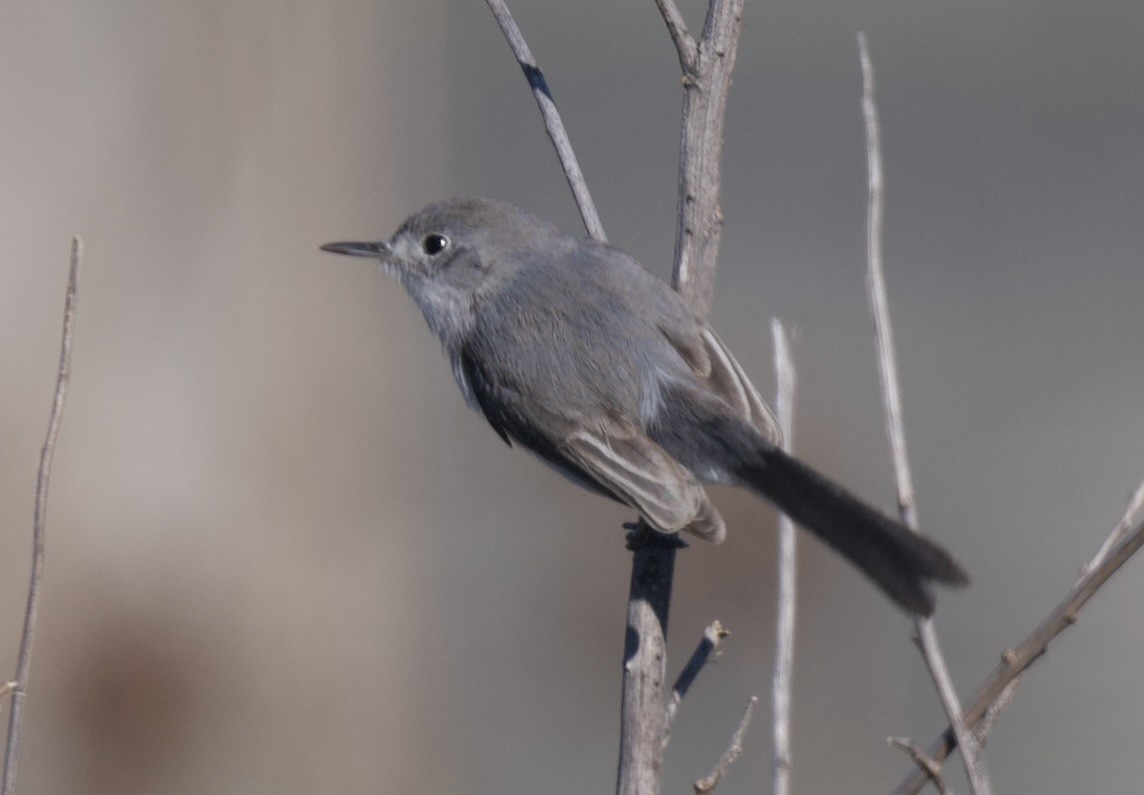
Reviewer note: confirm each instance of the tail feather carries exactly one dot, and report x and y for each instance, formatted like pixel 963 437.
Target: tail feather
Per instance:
pixel 901 562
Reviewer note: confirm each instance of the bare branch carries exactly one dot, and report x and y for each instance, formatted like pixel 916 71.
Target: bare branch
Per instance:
pixel 732 753
pixel 879 304
pixel 895 428
pixel 1016 660
pixel 1001 702
pixel 643 711
pixel 781 682
pixel 708 647
pixel 19 689
pixel 939 672
pixel 931 768
pixel 684 43
pixel 1135 503
pixel 552 121
pixel 704 105
pixel 993 712
pixel 706 84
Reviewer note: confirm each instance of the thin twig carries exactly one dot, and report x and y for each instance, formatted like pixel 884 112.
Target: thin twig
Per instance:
pixel 1016 660
pixel 895 427
pixel 931 768
pixel 707 648
pixel 781 682
pixel 939 672
pixel 879 304
pixel 43 476
pixel 732 753
pixel 994 710
pixel 685 44
pixel 1135 503
pixel 552 122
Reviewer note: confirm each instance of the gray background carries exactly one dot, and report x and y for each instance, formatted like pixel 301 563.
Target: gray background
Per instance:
pixel 285 558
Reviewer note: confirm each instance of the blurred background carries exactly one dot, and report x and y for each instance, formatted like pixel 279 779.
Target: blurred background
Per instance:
pixel 284 557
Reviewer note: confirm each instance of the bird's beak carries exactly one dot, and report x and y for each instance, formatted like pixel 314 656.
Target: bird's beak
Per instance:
pixel 374 250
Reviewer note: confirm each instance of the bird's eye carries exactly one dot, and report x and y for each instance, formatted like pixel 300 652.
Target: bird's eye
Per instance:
pixel 434 243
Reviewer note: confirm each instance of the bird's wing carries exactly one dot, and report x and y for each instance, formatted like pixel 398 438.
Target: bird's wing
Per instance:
pixel 629 465
pixel 714 365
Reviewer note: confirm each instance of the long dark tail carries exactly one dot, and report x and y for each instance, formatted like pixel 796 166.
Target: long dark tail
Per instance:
pixel 900 561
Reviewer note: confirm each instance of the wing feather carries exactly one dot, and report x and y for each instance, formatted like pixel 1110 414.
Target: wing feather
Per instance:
pixel 713 363
pixel 643 475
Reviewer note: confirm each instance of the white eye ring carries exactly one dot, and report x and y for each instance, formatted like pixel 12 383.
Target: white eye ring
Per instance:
pixel 434 243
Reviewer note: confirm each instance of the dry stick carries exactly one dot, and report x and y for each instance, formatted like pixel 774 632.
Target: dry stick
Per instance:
pixel 684 42
pixel 20 685
pixel 732 753
pixel 784 624
pixel 708 647
pixel 1135 503
pixel 932 768
pixel 643 714
pixel 552 121
pixel 998 688
pixel 895 428
pixel 707 66
pixel 993 712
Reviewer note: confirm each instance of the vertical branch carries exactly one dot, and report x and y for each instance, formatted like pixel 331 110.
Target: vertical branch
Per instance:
pixel 879 304
pixel 784 625
pixel 707 67
pixel 895 427
pixel 643 711
pixel 43 475
pixel 552 121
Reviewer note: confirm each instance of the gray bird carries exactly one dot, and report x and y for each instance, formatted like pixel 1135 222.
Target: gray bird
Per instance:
pixel 573 350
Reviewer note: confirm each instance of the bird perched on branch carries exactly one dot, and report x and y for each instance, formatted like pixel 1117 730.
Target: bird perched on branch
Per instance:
pixel 571 349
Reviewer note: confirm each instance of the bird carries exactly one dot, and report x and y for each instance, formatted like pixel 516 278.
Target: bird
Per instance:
pixel 574 351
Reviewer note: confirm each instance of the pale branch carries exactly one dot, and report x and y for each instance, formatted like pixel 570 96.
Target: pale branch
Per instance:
pixel 1135 503
pixel 552 121
pixel 928 766
pixel 782 678
pixel 994 710
pixel 895 427
pixel 998 686
pixel 879 303
pixel 706 85
pixel 19 689
pixel 685 44
pixel 707 648
pixel 734 750
pixel 926 634
pixel 643 713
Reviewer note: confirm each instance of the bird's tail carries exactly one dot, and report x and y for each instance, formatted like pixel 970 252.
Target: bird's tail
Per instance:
pixel 901 562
